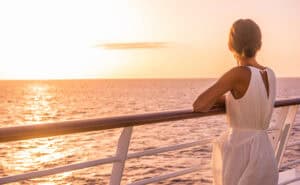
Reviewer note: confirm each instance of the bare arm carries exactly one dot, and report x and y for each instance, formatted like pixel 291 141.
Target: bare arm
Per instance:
pixel 220 102
pixel 214 95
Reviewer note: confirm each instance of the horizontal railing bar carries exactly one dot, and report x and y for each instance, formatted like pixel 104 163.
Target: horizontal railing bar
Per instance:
pixel 16 133
pixel 167 176
pixel 56 170
pixel 290 181
pixel 287 102
pixel 290 163
pixel 23 132
pixel 293 144
pixel 167 149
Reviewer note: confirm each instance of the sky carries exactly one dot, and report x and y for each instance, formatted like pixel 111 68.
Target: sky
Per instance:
pixel 70 39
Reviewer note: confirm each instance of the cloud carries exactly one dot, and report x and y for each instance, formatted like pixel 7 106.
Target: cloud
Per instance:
pixel 133 45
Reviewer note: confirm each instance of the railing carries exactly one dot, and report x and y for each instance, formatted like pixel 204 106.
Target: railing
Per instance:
pixel 127 122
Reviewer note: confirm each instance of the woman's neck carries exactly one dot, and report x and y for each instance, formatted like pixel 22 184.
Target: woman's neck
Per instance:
pixel 247 62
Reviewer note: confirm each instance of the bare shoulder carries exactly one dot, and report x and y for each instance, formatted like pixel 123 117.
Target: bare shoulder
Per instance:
pixel 238 72
pixel 241 69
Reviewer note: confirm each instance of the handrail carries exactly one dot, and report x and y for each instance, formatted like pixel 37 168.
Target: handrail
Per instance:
pixel 15 133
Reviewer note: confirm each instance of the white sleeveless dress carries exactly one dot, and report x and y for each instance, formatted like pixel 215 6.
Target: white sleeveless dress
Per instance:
pixel 243 155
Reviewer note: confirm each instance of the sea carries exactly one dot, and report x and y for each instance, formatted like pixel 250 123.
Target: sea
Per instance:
pixel 35 102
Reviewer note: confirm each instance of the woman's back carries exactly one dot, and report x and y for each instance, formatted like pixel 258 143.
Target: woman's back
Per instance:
pixel 243 155
pixel 254 109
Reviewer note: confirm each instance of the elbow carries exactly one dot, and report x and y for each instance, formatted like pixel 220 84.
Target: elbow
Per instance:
pixel 196 107
pixel 200 108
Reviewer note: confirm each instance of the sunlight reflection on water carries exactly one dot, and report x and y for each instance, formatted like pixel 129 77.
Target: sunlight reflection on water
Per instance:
pixel 37 106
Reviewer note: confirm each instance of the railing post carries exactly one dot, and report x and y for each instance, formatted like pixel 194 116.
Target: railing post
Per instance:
pixel 275 134
pixel 121 154
pixel 285 133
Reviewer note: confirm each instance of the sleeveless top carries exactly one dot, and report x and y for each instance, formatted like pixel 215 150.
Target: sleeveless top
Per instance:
pixel 243 154
pixel 255 105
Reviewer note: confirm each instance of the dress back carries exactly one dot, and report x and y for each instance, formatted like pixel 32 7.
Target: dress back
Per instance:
pixel 254 109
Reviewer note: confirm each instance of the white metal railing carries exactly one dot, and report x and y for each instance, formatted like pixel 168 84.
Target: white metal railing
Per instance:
pixel 128 122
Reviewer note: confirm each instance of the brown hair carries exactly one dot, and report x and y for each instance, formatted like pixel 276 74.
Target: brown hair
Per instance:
pixel 245 38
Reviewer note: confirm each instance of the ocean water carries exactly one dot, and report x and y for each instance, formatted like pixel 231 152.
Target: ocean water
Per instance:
pixel 33 102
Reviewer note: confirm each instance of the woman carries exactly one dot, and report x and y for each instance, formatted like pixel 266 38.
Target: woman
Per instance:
pixel 243 155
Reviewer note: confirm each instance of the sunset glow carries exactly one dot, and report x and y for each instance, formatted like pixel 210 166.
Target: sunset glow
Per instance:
pixel 139 38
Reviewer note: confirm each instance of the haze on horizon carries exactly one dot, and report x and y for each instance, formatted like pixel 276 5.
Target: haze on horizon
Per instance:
pixel 140 39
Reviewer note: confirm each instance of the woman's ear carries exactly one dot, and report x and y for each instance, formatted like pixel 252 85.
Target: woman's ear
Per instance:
pixel 235 55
